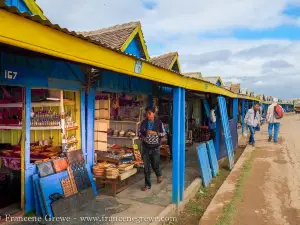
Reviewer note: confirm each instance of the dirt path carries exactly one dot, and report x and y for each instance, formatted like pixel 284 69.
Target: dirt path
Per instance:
pixel 271 191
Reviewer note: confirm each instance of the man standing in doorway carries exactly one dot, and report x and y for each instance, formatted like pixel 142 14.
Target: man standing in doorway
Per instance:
pixel 151 132
pixel 274 115
pixel 212 122
pixel 252 119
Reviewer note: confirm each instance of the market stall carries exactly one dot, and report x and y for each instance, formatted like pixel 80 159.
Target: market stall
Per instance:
pixel 42 118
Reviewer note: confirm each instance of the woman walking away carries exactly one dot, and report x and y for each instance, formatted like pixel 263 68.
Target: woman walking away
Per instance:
pixel 252 120
pixel 151 132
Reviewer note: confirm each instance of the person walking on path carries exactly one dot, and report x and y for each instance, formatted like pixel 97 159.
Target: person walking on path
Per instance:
pixel 274 115
pixel 151 132
pixel 252 119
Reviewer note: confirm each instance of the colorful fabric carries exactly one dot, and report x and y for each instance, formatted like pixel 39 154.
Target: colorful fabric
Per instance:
pixel 11 163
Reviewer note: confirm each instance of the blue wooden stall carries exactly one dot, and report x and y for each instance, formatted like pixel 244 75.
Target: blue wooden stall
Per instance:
pixel 37 71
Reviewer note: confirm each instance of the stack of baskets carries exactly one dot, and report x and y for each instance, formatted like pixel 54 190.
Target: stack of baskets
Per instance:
pixel 125 167
pixel 99 169
pixel 112 173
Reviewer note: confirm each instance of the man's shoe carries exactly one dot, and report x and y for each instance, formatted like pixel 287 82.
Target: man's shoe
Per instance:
pixel 270 139
pixel 159 179
pixel 253 144
pixel 146 188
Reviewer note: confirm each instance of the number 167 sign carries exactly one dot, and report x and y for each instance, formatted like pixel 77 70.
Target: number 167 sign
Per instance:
pixel 11 75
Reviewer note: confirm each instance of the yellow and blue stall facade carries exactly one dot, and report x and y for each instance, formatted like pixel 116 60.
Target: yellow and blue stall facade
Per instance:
pixel 31 71
pixel 40 69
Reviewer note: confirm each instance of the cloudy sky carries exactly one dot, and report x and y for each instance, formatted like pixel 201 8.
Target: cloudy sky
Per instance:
pixel 252 42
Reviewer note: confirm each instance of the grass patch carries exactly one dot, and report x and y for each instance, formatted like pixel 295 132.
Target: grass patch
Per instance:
pixel 230 209
pixel 196 207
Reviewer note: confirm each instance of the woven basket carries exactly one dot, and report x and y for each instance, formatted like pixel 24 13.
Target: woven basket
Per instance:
pixel 112 173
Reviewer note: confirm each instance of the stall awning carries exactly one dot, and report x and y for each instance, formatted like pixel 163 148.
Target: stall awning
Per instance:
pixel 33 33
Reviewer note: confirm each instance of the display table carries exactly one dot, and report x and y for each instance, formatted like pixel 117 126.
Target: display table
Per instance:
pixel 114 182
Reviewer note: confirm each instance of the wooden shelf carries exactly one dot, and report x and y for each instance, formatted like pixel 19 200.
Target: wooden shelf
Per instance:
pixel 97 118
pixel 4 127
pixel 72 142
pixel 124 121
pixel 105 132
pixel 129 138
pixel 71 128
pixel 31 128
pixel 46 128
pixel 36 128
pixel 37 104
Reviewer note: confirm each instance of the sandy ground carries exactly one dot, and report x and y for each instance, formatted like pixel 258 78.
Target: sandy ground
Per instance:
pixel 271 194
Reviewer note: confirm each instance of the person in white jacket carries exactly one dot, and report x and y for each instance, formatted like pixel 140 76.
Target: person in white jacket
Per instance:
pixel 252 119
pixel 273 121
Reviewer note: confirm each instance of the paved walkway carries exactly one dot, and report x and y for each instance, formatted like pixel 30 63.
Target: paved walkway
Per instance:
pixel 271 192
pixel 133 202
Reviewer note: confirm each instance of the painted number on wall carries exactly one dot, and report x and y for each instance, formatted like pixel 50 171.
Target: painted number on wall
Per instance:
pixel 11 75
pixel 138 67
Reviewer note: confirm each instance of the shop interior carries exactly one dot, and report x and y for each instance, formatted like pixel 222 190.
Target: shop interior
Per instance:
pixel 117 146
pixel 118 149
pixel 50 135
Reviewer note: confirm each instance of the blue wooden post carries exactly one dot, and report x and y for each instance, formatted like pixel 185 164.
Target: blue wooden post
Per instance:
pixel 176 145
pixel 90 126
pixel 217 139
pixel 30 169
pixel 235 109
pixel 243 115
pixel 182 144
pixel 83 123
pixel 27 125
pixel 253 102
pixel 247 108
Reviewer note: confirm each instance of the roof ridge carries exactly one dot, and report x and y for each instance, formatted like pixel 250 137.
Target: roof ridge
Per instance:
pixel 165 55
pixel 131 24
pixel 212 77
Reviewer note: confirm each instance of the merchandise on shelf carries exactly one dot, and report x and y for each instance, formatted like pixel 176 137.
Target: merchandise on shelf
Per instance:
pixel 69 122
pixel 45 118
pixel 11 116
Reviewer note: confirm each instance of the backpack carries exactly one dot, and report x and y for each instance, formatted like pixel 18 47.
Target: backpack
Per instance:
pixel 278 112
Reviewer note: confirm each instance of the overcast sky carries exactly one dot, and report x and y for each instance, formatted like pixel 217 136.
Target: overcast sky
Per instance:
pixel 252 42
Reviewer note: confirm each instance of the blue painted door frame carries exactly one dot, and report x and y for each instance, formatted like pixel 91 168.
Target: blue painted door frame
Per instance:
pixel 235 110
pixel 29 169
pixel 226 130
pixel 178 145
pixel 83 123
pixel 90 126
pixel 243 114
